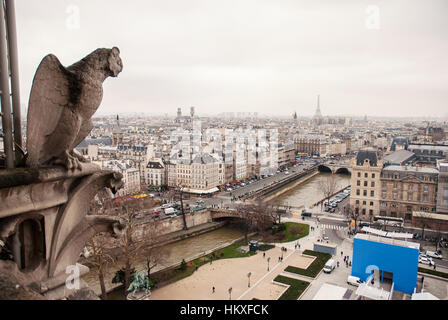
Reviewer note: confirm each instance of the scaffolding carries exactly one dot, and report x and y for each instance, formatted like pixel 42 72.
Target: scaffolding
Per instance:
pixel 11 132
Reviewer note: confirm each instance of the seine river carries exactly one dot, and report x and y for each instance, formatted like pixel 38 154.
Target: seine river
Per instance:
pixel 304 194
pixel 308 193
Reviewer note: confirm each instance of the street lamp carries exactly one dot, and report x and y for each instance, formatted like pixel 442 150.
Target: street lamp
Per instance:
pixel 230 293
pixel 269 258
pixel 248 276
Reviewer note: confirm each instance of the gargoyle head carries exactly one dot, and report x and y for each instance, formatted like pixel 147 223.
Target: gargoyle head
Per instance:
pixel 115 63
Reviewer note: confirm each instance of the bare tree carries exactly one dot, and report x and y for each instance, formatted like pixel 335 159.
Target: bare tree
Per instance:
pixel 98 256
pixel 154 253
pixel 352 214
pixel 131 247
pixel 275 212
pixel 95 251
pixel 175 194
pixel 256 215
pixel 328 186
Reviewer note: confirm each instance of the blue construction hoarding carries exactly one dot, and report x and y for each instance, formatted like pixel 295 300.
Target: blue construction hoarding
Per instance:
pixel 400 262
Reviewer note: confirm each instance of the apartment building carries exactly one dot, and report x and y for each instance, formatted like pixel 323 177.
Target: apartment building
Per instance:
pixel 138 154
pixel 311 144
pixel 155 174
pixel 201 175
pixel 405 189
pixel 365 184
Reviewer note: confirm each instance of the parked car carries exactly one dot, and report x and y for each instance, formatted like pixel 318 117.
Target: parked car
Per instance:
pixel 170 211
pixel 325 237
pixel 434 254
pixel 425 260
pixel 354 281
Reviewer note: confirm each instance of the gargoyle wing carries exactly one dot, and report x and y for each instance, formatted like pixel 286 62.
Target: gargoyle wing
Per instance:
pixel 50 95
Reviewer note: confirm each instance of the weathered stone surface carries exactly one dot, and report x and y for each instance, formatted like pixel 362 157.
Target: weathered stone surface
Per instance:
pixel 11 289
pixel 62 103
pixel 44 224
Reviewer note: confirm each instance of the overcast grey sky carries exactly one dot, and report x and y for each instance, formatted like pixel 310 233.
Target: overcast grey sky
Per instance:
pixel 273 57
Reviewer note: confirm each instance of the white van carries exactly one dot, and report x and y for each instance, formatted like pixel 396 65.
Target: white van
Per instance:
pixel 354 281
pixel 329 266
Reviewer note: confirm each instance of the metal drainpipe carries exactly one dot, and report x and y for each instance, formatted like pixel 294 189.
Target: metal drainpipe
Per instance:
pixel 14 65
pixel 5 97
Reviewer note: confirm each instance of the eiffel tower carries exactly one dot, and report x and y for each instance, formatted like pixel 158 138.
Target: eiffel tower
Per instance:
pixel 318 114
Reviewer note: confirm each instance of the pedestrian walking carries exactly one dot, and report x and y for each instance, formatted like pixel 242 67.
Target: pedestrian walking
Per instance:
pixel 213 289
pixel 264 254
pixel 342 253
pixel 434 266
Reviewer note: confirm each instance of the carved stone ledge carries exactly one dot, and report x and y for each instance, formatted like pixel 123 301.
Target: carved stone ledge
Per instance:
pixel 44 222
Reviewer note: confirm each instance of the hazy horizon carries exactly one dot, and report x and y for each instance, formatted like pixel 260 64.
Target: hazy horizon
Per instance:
pixel 250 56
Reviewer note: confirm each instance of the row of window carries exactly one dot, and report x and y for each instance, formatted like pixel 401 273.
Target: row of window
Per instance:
pixel 372 183
pixel 363 211
pixel 364 193
pixel 366 175
pixel 364 203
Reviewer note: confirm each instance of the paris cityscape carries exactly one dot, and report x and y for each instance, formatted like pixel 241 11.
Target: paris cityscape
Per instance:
pixel 182 153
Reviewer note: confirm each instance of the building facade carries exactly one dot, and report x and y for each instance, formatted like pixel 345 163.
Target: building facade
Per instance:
pixel 155 174
pixel 405 189
pixel 365 184
pixel 442 188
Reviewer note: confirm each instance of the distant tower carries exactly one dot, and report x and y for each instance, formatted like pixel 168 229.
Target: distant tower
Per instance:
pixel 179 112
pixel 117 133
pixel 192 112
pixel 318 113
pixel 295 115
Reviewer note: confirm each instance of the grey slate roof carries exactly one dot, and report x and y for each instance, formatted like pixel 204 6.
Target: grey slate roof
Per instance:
pixel 398 157
pixel 106 141
pixel 362 155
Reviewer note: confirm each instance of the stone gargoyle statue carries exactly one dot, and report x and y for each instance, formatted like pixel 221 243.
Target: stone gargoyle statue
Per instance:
pixel 62 103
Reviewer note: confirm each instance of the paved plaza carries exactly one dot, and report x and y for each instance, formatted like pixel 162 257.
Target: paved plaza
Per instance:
pixel 232 273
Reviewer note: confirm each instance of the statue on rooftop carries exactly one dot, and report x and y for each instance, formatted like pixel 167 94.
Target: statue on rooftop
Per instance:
pixel 62 103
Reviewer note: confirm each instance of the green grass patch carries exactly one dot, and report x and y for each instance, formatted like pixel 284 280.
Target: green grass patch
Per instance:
pixel 295 290
pixel 295 231
pixel 286 232
pixel 315 267
pixel 433 272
